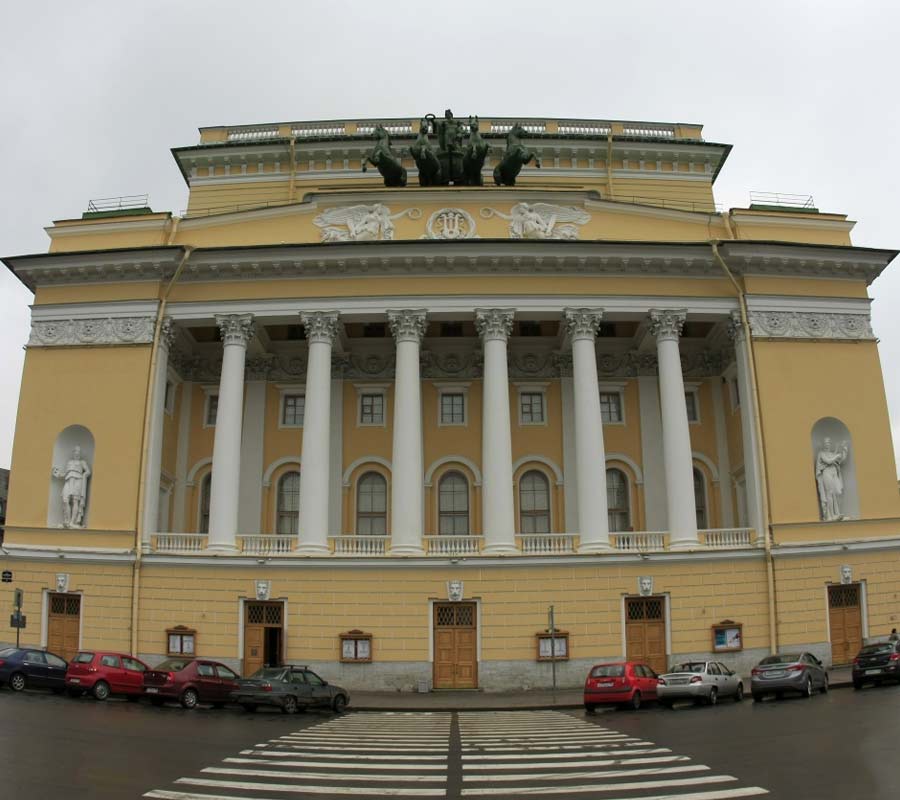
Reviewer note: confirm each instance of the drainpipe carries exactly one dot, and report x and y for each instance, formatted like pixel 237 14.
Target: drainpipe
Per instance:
pixel 145 443
pixel 761 454
pixel 609 165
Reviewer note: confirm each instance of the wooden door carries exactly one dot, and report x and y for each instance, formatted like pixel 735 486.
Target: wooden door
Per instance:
pixel 64 625
pixel 455 646
pixel 645 632
pixel 258 617
pixel 845 619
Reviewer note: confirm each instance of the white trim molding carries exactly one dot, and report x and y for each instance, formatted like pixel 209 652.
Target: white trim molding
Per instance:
pixel 708 463
pixel 466 462
pixel 270 470
pixel 203 462
pixel 630 463
pixel 533 458
pixel 345 480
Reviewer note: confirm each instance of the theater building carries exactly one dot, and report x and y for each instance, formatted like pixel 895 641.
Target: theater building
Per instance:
pixel 382 429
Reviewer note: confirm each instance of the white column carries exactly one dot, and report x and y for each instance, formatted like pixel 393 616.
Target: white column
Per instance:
pixel 652 461
pixel 494 326
pixel 666 326
pixel 252 445
pixel 157 421
pixel 407 480
pixel 321 328
pixel 236 331
pixel 590 454
pixel 749 433
pixel 181 456
pixel 722 457
pixel 567 392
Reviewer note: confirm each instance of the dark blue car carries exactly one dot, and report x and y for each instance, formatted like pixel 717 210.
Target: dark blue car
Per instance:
pixel 22 667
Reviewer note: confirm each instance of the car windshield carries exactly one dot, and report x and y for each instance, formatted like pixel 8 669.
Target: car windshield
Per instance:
pixel 608 671
pixel 780 658
pixel 269 673
pixel 83 658
pixel 872 649
pixel 690 666
pixel 173 664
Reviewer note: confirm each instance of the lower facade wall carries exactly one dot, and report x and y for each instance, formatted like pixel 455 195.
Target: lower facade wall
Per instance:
pixel 395 605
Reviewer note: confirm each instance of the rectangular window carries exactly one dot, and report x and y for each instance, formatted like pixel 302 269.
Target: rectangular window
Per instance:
pixel 532 408
pixel 610 407
pixel 292 409
pixel 690 401
pixel 181 642
pixel 453 409
pixel 371 409
pixel 212 410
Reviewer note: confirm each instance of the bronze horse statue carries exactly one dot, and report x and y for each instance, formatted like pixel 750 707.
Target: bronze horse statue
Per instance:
pixel 425 158
pixel 515 157
pixel 474 155
pixel 384 159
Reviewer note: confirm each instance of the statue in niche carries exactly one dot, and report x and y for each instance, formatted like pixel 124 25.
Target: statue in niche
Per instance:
pixel 74 476
pixel 829 480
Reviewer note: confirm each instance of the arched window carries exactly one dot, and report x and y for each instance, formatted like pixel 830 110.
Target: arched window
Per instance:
pixel 617 501
pixel 288 504
pixel 453 505
pixel 700 499
pixel 534 503
pixel 203 518
pixel 371 505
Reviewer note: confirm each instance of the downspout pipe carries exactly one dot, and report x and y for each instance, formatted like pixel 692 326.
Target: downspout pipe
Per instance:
pixel 760 447
pixel 145 444
pixel 609 166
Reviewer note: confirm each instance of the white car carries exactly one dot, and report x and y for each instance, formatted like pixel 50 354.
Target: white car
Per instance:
pixel 700 681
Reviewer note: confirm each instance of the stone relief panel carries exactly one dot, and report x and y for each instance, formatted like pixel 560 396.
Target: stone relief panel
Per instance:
pixel 834 469
pixel 450 223
pixel 541 220
pixel 810 325
pixel 454 364
pixel 360 223
pixel 70 478
pixel 98 331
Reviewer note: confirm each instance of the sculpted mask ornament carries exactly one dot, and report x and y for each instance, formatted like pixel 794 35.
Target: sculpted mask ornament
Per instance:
pixel 645 585
pixel 830 479
pixel 360 223
pixel 541 220
pixel 74 476
pixel 263 589
pixel 846 574
pixel 62 582
pixel 454 590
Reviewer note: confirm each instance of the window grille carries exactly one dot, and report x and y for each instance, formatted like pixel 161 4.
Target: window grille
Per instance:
pixel 293 409
pixel 453 409
pixel 371 411
pixel 532 407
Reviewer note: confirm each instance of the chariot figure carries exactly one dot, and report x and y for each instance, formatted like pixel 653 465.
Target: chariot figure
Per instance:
pixel 74 476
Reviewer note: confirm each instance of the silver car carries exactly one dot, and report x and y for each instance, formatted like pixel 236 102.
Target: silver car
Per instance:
pixel 700 681
pixel 788 672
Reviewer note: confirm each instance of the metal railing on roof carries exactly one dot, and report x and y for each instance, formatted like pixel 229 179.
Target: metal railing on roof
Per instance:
pixel 781 199
pixel 105 204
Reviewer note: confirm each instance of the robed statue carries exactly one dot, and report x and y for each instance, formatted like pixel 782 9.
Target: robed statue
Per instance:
pixel 830 480
pixel 74 476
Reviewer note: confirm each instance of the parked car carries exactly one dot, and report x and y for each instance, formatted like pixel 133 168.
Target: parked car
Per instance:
pixel 626 684
pixel 22 667
pixel 700 681
pixel 289 688
pixel 104 673
pixel 189 682
pixel 877 663
pixel 788 672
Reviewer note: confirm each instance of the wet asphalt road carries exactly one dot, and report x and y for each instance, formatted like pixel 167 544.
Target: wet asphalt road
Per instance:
pixel 840 745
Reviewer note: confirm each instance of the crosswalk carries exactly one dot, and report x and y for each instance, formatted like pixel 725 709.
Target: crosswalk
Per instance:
pixel 487 755
pixel 531 753
pixel 387 754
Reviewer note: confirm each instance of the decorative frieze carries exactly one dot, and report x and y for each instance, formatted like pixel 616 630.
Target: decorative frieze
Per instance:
pixel 667 323
pixel 810 325
pixel 364 366
pixel 523 366
pixel 361 223
pixel 435 364
pixel 408 326
pixel 494 323
pixel 320 326
pixel 235 328
pixel 450 223
pixel 541 220
pixel 583 323
pixel 93 331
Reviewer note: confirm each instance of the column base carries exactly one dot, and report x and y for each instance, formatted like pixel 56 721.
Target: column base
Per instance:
pixel 222 547
pixel 685 544
pixel 406 550
pixel 500 549
pixel 595 547
pixel 312 549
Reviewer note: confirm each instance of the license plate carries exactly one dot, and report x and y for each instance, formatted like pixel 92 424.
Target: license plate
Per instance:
pixel 151 691
pixel 608 683
pixel 873 672
pixel 74 680
pixel 775 673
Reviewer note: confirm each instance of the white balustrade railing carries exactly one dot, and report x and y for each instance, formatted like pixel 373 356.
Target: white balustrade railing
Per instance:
pixel 584 128
pixel 179 542
pixel 534 544
pixel 353 545
pixel 303 131
pixel 266 544
pixel 664 131
pixel 453 545
pixel 638 541
pixel 724 538
pixel 250 133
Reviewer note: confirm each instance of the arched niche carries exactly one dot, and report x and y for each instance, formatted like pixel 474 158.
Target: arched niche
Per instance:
pixel 63 450
pixel 834 471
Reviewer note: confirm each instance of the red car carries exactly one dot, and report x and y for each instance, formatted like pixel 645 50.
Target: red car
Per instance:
pixel 190 681
pixel 103 674
pixel 626 684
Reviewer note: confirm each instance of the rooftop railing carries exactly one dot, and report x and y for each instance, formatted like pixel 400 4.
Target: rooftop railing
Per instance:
pixel 780 199
pixel 103 205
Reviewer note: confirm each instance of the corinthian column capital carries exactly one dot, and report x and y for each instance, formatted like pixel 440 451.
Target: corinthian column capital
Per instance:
pixel 666 324
pixel 583 323
pixel 235 328
pixel 408 325
pixel 320 326
pixel 494 323
pixel 735 328
pixel 167 333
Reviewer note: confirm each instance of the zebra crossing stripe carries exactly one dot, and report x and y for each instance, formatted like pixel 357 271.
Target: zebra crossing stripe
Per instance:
pixel 532 757
pixel 599 787
pixel 377 777
pixel 292 788
pixel 296 753
pixel 576 763
pixel 607 773
pixel 337 764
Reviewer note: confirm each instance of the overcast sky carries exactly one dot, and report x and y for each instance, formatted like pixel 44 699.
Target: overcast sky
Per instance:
pixel 93 95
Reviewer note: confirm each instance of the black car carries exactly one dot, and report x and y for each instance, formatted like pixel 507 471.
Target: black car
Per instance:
pixel 876 663
pixel 22 667
pixel 290 688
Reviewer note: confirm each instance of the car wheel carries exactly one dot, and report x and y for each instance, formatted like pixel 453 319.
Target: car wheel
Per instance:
pixel 248 707
pixel 289 705
pixel 100 690
pixel 808 687
pixel 635 703
pixel 189 698
pixel 739 693
pixel 713 696
pixel 589 707
pixel 17 682
pixel 339 704
pixel 825 685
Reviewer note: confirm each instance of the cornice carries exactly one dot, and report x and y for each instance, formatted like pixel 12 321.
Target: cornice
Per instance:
pixel 794 549
pixel 61 230
pixel 809 221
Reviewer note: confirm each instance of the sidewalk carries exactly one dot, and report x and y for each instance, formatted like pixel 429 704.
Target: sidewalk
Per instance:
pixel 475 700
